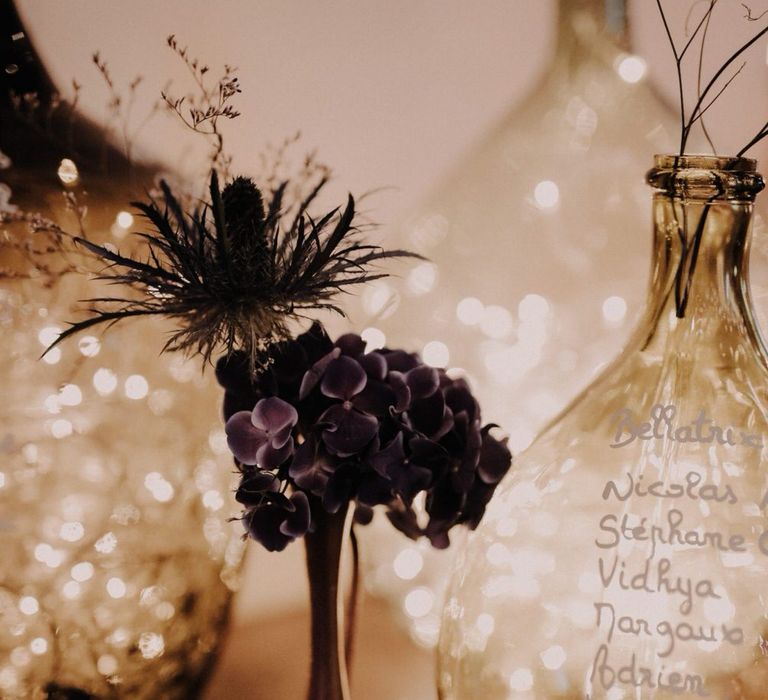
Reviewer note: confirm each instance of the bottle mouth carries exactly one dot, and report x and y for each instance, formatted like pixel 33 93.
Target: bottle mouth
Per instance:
pixel 706 177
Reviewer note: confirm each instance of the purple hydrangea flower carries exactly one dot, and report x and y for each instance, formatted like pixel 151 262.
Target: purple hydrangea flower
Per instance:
pixel 263 436
pixel 329 423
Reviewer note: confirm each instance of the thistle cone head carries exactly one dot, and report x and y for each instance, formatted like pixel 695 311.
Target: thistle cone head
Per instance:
pixel 243 211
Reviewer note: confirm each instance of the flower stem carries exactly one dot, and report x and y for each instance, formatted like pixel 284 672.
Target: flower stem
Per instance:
pixel 354 595
pixel 328 680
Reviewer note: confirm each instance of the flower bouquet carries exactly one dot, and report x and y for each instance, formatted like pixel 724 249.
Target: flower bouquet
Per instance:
pixel 322 432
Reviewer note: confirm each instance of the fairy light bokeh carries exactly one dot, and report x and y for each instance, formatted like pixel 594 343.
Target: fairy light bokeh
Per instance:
pixel 117 557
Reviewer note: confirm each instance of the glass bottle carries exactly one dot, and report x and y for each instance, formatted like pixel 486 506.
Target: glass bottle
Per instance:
pixel 627 554
pixel 548 196
pixel 117 560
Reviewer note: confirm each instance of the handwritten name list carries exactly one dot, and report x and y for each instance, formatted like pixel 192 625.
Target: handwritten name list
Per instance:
pixel 650 598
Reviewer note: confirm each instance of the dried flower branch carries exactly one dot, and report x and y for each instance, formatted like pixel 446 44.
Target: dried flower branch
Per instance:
pixel 236 271
pixel 38 243
pixel 119 108
pixel 201 112
pixel 699 72
pixel 705 99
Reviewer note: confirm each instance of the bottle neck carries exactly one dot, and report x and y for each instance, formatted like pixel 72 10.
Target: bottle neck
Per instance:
pixel 699 292
pixel 582 22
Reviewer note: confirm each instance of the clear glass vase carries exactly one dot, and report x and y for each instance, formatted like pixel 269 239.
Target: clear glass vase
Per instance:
pixel 627 554
pixel 117 560
pixel 549 197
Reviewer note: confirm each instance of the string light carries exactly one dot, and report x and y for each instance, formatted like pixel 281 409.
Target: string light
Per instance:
pixel 83 571
pixel 88 425
pixel 614 309
pixel 136 387
pixel 29 605
pixel 546 194
pixel 67 172
pixel 631 68
pixel 104 381
pixel 116 587
pixel 436 353
pixel 124 219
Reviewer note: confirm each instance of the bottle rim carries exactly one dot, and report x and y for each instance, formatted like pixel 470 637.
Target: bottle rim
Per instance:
pixel 704 161
pixel 707 177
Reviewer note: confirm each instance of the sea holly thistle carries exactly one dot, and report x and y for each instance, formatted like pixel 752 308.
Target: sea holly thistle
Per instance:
pixel 235 272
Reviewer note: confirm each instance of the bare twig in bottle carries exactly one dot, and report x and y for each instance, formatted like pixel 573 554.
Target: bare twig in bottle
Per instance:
pixel 700 71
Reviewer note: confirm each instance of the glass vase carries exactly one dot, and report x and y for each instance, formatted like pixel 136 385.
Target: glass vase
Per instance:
pixel 117 560
pixel 626 556
pixel 548 197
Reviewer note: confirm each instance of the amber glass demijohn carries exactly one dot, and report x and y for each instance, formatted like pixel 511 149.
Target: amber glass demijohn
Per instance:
pixel 626 556
pixel 117 557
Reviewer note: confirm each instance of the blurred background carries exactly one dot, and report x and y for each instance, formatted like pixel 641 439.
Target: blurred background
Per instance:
pixel 396 96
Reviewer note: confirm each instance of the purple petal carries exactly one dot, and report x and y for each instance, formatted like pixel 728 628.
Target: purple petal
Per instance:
pixel 275 417
pixel 439 540
pixel 374 364
pixel 268 457
pixel 404 519
pixel 363 514
pixel 351 430
pixel 374 489
pixel 459 397
pixel 263 525
pixel 243 438
pixel 477 500
pixel 315 373
pixel 343 379
pixel 430 455
pixel 495 460
pixel 297 523
pixel 390 458
pixel 431 416
pixel 377 398
pixel 252 488
pixel 396 381
pixel 423 381
pixel 341 487
pixel 400 361
pixel 350 344
pixel 409 479
pixel 308 469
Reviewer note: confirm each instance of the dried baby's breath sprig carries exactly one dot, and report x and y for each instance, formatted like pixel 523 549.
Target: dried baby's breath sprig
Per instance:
pixel 37 245
pixel 120 107
pixel 235 272
pixel 202 110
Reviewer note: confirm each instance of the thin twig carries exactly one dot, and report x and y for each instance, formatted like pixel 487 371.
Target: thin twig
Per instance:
pixel 718 74
pixel 699 73
pixel 678 68
pixel 714 99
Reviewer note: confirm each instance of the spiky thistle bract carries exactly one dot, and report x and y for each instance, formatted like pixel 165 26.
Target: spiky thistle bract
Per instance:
pixel 234 272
